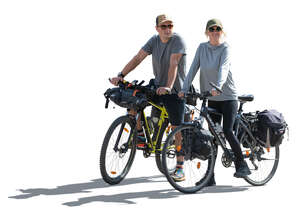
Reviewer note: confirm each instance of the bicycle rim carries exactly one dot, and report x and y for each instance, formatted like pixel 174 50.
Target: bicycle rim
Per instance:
pixel 118 150
pixel 266 167
pixel 197 171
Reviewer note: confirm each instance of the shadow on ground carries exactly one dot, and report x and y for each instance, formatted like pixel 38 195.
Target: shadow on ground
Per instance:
pixel 127 198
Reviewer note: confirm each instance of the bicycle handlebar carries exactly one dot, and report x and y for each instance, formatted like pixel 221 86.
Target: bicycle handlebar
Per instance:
pixel 216 87
pixel 205 94
pixel 147 89
pixel 201 96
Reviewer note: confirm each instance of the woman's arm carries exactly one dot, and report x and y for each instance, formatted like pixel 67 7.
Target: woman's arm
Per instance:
pixel 224 68
pixel 192 72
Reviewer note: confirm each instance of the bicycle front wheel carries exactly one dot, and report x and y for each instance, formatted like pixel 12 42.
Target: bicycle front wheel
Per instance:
pixel 263 165
pixel 118 150
pixel 197 169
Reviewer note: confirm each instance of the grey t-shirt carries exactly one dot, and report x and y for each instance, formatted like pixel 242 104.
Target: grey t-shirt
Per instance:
pixel 214 64
pixel 161 53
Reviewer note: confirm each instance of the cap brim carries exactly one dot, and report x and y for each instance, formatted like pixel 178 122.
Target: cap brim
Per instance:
pixel 214 25
pixel 167 20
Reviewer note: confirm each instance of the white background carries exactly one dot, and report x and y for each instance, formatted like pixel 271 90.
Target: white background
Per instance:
pixel 55 60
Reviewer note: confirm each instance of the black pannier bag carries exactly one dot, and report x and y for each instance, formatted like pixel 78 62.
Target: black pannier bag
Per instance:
pixel 198 142
pixel 271 127
pixel 127 98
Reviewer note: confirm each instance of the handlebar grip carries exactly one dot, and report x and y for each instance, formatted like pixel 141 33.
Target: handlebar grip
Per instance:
pixel 142 82
pixel 216 87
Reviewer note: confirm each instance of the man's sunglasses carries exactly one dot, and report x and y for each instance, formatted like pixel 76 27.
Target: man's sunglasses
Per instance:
pixel 212 29
pixel 163 27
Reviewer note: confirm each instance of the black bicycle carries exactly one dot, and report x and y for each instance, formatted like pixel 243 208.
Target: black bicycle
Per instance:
pixel 261 158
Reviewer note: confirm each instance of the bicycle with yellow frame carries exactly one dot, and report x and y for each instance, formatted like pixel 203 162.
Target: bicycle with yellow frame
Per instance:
pixel 119 144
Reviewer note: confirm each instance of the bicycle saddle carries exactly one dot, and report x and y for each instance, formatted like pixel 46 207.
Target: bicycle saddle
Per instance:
pixel 246 97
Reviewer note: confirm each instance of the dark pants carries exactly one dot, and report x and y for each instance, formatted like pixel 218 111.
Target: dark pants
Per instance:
pixel 174 106
pixel 229 110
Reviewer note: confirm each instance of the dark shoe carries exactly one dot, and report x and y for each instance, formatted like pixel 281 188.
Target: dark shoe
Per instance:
pixel 211 182
pixel 242 170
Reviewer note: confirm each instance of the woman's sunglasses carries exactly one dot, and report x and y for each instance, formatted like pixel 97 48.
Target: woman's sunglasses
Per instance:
pixel 163 27
pixel 212 29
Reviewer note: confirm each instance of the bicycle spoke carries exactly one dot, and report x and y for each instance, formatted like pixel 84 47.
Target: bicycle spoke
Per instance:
pixel 266 166
pixel 194 169
pixel 269 159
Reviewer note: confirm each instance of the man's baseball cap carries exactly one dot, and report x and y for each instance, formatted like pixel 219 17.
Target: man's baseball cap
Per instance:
pixel 162 18
pixel 213 22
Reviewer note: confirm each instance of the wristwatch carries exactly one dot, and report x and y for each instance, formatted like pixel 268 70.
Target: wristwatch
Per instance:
pixel 121 75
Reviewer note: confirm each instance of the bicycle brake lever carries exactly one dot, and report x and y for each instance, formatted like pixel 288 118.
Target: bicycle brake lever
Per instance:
pixel 141 82
pixel 134 82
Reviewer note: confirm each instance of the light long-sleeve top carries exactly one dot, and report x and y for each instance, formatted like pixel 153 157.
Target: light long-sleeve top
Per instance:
pixel 214 64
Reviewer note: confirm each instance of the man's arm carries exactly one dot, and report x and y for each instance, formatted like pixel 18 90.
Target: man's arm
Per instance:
pixel 132 64
pixel 135 61
pixel 172 73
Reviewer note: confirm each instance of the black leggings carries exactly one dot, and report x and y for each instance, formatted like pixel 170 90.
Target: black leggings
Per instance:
pixel 229 110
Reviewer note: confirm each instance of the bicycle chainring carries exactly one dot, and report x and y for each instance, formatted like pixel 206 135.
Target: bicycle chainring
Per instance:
pixel 226 161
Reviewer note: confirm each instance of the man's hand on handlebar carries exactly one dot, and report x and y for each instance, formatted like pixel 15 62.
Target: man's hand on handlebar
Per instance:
pixel 115 80
pixel 163 91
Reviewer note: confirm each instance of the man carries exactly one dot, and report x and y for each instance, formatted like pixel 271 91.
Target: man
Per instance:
pixel 168 61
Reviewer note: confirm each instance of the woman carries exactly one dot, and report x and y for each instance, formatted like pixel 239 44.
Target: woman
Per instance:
pixel 213 59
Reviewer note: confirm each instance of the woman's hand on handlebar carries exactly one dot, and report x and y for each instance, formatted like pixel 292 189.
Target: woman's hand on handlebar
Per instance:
pixel 115 80
pixel 214 92
pixel 181 94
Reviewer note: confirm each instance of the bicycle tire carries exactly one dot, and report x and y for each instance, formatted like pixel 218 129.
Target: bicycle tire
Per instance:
pixel 158 159
pixel 257 177
pixel 122 152
pixel 194 179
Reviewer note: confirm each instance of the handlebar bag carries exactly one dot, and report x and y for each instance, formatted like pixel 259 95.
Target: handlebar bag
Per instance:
pixel 127 98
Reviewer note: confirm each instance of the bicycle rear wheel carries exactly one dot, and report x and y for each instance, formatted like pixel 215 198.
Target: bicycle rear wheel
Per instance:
pixel 262 165
pixel 197 169
pixel 118 150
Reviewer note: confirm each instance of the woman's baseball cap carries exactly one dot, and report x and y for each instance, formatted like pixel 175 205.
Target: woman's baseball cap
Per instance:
pixel 213 22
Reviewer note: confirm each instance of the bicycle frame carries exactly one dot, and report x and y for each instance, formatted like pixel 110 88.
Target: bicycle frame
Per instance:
pixel 153 142
pixel 240 123
pixel 216 131
pixel 204 112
